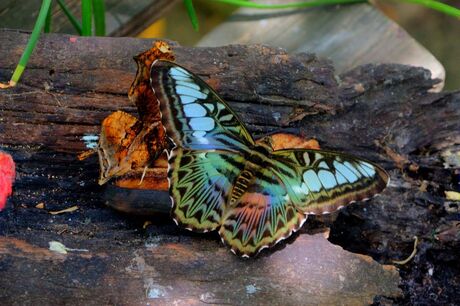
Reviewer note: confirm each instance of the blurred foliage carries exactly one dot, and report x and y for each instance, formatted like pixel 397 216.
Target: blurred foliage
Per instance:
pixel 94 10
pixel 437 33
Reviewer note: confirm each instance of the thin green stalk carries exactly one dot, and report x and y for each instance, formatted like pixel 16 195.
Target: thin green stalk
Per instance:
pixel 192 14
pixel 437 6
pixel 30 44
pixel 86 17
pixel 76 24
pixel 243 3
pixel 47 27
pixel 99 17
pixel 432 4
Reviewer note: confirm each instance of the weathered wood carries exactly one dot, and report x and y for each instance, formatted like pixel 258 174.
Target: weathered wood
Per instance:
pixel 69 87
pixel 349 35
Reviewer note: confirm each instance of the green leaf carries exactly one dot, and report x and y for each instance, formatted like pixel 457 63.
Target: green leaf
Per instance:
pixel 99 17
pixel 192 14
pixel 42 15
pixel 301 4
pixel 73 20
pixel 47 28
pixel 438 6
pixel 86 17
pixel 435 5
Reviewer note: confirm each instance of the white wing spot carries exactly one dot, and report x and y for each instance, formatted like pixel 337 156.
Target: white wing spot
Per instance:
pixel 347 173
pixel 368 168
pixel 327 178
pixel 187 91
pixel 312 181
pixel 323 165
pixel 178 71
pixel 209 106
pixel 201 124
pixel 194 110
pixel 189 84
pixel 352 168
pixel 226 117
pixel 187 99
pixel 306 158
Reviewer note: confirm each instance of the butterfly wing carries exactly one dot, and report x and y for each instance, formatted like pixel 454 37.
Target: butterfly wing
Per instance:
pixel 200 184
pixel 263 216
pixel 209 144
pixel 194 115
pixel 209 157
pixel 321 182
pixel 293 184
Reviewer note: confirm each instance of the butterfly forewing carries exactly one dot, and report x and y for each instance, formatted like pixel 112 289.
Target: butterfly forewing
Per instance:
pixel 194 115
pixel 323 181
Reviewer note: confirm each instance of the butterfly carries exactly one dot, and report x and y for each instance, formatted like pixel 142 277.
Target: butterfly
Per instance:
pixel 220 179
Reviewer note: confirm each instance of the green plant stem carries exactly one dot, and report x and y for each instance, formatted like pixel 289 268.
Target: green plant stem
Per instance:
pixel 30 44
pixel 192 14
pixel 70 16
pixel 437 6
pixel 243 3
pixel 99 17
pixel 86 17
pixel 47 27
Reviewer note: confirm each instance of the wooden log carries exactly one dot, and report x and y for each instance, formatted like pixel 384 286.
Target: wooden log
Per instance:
pixel 382 112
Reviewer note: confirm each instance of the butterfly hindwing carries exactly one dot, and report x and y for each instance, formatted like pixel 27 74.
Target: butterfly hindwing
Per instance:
pixel 194 115
pixel 322 181
pixel 262 216
pixel 200 183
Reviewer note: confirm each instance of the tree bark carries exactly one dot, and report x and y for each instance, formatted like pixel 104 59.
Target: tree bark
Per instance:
pixel 384 113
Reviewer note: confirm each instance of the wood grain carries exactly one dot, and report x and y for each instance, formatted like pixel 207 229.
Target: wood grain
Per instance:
pixel 349 35
pixel 374 111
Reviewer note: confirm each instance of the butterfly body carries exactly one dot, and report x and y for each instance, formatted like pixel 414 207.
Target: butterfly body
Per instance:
pixel 220 179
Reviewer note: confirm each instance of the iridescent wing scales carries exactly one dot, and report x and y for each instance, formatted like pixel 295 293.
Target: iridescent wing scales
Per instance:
pixel 291 185
pixel 208 140
pixel 200 184
pixel 263 216
pixel 194 115
pixel 208 162
pixel 323 181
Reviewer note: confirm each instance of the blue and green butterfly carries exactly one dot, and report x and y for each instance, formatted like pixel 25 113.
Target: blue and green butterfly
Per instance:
pixel 220 179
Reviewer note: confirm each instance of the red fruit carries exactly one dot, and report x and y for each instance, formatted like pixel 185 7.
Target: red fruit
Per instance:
pixel 7 174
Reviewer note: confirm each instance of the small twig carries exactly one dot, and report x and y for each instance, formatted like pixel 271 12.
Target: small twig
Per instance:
pixel 143 174
pixel 414 251
pixel 67 210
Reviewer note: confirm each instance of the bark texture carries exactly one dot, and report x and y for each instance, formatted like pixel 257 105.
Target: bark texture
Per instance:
pixel 382 112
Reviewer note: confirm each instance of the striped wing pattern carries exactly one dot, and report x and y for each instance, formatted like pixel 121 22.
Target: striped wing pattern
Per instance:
pixel 193 113
pixel 263 216
pixel 200 185
pixel 220 180
pixel 321 182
